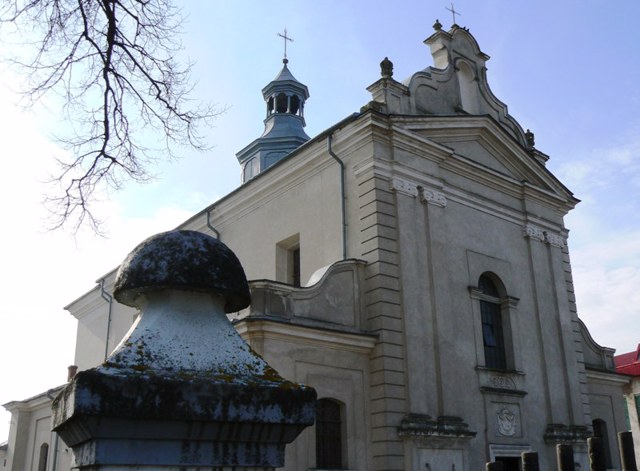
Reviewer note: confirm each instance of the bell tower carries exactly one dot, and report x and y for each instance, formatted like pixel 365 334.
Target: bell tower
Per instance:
pixel 284 124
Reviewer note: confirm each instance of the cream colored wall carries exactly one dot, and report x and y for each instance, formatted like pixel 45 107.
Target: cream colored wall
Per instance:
pixel 30 428
pixel 340 374
pixel 441 251
pixel 277 205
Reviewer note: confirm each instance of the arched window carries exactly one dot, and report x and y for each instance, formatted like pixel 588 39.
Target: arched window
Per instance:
pixel 495 355
pixel 281 103
pixel 468 88
pixel 42 459
pixel 270 106
pixel 329 434
pixel 295 104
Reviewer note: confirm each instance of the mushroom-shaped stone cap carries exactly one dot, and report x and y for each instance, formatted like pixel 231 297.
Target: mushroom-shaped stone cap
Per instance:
pixel 183 260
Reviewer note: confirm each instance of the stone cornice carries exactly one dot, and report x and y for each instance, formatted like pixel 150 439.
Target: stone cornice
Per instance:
pixel 606 377
pixel 42 399
pixel 252 328
pixel 488 132
pixel 88 304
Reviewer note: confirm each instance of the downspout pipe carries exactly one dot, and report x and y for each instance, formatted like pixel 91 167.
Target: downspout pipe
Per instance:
pixel 342 194
pixel 109 299
pixel 210 226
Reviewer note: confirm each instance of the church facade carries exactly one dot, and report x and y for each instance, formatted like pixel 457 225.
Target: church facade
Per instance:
pixel 413 268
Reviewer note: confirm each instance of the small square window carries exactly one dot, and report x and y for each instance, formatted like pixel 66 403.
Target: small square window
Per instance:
pixel 288 261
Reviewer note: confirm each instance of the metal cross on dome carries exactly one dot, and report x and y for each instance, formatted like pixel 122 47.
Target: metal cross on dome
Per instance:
pixel 285 38
pixel 452 10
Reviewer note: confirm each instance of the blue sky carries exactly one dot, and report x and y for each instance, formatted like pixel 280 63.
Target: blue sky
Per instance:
pixel 569 71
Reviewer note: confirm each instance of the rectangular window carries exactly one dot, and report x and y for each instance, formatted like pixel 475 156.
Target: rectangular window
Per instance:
pixel 329 434
pixel 295 266
pixel 288 261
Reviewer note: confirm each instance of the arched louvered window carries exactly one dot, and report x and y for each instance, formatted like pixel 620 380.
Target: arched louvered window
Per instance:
pixel 281 103
pixel 329 434
pixel 295 105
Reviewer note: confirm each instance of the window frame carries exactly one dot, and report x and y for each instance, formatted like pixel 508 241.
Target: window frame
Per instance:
pixel 507 306
pixel 289 261
pixel 337 459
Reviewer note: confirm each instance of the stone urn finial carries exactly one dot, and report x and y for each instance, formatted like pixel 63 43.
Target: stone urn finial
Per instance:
pixel 386 68
pixel 182 389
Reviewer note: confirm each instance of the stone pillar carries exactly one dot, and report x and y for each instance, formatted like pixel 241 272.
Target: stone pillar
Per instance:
pixel 627 454
pixel 530 461
pixel 182 390
pixel 564 454
pixel 494 466
pixel 597 460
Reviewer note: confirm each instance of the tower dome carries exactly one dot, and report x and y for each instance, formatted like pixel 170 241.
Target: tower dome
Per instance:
pixel 283 126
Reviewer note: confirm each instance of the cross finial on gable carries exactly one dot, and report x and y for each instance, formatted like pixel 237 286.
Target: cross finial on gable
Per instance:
pixel 285 38
pixel 453 12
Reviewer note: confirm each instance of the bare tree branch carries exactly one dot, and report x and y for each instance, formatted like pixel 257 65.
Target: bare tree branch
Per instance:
pixel 113 63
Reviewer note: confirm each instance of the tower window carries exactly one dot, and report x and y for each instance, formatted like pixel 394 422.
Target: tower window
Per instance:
pixel 329 434
pixel 269 106
pixel 251 169
pixel 295 104
pixel 281 103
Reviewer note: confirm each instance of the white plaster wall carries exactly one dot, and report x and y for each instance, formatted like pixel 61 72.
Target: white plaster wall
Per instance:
pixel 334 373
pixel 308 206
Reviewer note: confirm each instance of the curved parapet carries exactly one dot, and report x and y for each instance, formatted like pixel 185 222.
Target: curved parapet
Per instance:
pixel 333 301
pixel 595 355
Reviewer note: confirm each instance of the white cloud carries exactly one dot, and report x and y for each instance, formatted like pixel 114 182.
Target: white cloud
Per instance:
pixel 606 274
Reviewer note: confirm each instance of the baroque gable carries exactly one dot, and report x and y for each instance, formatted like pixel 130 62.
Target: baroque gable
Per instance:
pixel 455 86
pixel 477 148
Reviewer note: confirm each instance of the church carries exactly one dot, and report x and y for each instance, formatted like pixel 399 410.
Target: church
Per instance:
pixel 411 264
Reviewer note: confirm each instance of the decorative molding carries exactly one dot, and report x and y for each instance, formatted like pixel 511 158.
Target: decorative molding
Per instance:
pixel 423 426
pixel 403 186
pixel 533 232
pixel 502 382
pixel 537 233
pixel 507 422
pixel 555 240
pixel 502 391
pixel 433 197
pixel 561 433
